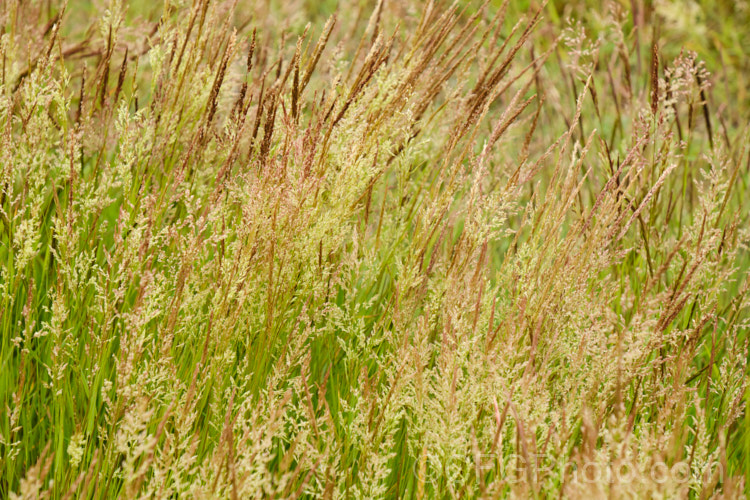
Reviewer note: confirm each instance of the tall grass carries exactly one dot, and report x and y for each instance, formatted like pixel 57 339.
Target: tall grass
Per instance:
pixel 415 250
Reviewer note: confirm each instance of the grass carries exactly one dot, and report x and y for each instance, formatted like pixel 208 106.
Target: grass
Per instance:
pixel 374 250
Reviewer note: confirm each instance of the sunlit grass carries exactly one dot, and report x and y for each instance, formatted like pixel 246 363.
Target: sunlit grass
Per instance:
pixel 389 250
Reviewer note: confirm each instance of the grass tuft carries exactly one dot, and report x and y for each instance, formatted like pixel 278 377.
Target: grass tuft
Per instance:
pixel 390 250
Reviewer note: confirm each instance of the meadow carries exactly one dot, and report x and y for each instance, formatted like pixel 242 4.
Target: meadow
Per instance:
pixel 374 249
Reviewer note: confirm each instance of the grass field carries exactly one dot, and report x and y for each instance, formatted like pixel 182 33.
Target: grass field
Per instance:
pixel 374 249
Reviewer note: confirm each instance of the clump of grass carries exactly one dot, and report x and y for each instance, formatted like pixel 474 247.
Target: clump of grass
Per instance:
pixel 415 250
